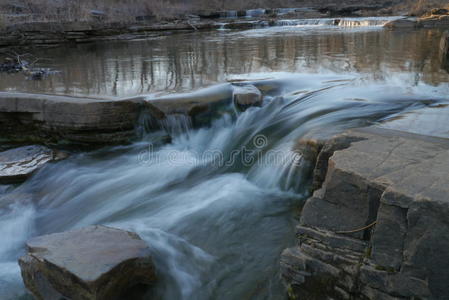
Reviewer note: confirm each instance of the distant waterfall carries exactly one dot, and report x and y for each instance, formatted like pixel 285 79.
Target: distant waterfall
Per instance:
pixel 341 22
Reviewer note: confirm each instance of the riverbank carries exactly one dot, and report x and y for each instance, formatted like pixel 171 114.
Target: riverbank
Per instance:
pixel 51 34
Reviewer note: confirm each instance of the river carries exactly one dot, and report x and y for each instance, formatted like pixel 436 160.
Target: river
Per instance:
pixel 217 205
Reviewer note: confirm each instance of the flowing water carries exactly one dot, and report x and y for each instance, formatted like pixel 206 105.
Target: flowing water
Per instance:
pixel 218 204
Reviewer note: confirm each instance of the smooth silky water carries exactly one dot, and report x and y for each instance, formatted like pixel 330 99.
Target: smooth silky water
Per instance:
pixel 218 204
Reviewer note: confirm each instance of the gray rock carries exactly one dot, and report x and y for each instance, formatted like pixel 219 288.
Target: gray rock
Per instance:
pixel 16 165
pixel 25 117
pixel 201 106
pixel 378 227
pixel 95 262
pixel 402 23
pixel 246 96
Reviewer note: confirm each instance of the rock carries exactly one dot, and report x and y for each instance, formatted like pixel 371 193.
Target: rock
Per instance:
pixel 372 230
pixel 246 96
pixel 25 117
pixel 444 51
pixel 309 149
pixel 208 14
pixel 95 262
pixel 402 23
pixel 16 165
pixel 434 21
pixel 439 11
pixel 201 106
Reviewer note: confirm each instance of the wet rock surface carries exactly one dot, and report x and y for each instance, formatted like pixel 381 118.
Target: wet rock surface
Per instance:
pixel 55 119
pixel 25 117
pixel 246 96
pixel 95 262
pixel 16 165
pixel 377 226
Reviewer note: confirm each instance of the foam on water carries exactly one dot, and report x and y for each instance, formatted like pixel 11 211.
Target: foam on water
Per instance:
pixel 212 205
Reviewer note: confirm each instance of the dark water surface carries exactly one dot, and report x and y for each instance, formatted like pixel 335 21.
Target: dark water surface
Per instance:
pixel 183 62
pixel 217 229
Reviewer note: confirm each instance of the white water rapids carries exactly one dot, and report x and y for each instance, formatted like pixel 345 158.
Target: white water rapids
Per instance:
pixel 216 229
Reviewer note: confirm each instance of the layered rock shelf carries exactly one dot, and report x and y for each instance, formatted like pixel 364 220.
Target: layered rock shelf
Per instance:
pixel 97 263
pixel 376 226
pixel 16 165
pixel 53 119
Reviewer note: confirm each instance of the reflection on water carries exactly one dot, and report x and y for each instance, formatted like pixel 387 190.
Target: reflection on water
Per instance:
pixel 183 62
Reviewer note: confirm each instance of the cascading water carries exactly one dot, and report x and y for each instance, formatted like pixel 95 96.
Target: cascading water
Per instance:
pixel 341 22
pixel 215 204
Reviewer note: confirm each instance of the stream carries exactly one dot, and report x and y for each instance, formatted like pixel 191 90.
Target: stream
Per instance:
pixel 218 204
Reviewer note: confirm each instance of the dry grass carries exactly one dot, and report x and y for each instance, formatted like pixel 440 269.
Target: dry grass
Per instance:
pixel 119 10
pixel 127 11
pixel 419 8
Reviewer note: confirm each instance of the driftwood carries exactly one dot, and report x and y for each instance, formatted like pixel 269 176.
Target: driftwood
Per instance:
pixel 24 63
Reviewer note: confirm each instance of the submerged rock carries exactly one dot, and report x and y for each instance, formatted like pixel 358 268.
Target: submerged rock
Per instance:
pixel 96 262
pixel 378 226
pixel 246 96
pixel 16 165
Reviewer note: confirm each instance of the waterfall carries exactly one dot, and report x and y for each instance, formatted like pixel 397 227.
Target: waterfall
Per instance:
pixel 202 200
pixel 176 124
pixel 341 22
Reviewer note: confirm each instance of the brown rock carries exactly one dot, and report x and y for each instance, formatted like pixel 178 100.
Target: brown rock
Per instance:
pixel 94 263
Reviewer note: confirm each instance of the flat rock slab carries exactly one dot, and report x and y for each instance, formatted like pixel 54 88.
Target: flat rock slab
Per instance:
pixel 95 262
pixel 16 165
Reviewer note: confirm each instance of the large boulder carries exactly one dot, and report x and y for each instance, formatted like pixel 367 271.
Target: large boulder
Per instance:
pixel 93 263
pixel 377 228
pixel 16 165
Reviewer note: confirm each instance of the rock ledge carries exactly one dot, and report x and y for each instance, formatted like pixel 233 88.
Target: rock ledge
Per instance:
pixel 377 227
pixel 95 262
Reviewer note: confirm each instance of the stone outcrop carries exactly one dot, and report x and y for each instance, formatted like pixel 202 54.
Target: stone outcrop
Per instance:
pixel 53 33
pixel 95 263
pixel 377 226
pixel 16 165
pixel 53 119
pixel 25 117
